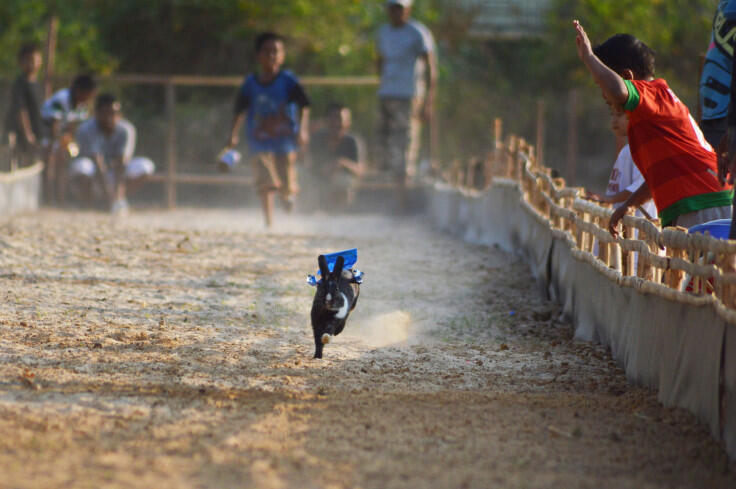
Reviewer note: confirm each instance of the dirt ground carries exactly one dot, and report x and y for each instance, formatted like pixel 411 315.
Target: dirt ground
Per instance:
pixel 174 350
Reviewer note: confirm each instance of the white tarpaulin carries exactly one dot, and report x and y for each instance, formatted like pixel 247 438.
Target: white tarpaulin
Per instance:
pixel 677 344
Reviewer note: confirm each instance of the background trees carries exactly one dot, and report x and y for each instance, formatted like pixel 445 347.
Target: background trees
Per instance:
pixel 480 80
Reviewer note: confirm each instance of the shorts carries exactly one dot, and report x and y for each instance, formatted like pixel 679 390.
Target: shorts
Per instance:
pixel 136 168
pixel 702 216
pixel 275 172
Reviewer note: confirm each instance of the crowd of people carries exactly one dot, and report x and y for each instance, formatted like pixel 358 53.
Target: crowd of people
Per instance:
pixel 91 155
pixel 666 166
pixel 88 155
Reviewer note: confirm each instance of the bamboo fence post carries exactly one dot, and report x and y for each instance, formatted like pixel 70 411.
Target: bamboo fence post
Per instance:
pixel 572 135
pixel 511 157
pixel 629 233
pixel 50 55
pixel 541 129
pixel 170 101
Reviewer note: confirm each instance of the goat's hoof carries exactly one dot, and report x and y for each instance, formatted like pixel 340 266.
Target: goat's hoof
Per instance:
pixel 325 339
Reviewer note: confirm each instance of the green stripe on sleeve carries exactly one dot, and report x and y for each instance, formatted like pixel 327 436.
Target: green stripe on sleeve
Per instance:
pixel 633 101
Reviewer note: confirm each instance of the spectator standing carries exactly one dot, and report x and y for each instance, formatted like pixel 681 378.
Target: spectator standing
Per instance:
pixel 23 119
pixel 715 81
pixel 408 69
pixel 272 99
pixel 338 158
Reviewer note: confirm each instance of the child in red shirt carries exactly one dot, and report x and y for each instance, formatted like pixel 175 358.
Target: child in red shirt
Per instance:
pixel 679 167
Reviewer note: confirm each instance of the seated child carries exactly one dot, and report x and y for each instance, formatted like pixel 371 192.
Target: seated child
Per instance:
pixel 106 145
pixel 338 158
pixel 625 176
pixel 678 165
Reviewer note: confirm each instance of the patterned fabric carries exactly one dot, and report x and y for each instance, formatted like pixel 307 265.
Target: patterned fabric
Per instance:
pixel 715 82
pixel 676 161
pixel 351 258
pixel 59 108
pixel 400 133
pixel 273 112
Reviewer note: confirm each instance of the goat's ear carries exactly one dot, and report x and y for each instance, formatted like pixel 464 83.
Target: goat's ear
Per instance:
pixel 324 270
pixel 339 263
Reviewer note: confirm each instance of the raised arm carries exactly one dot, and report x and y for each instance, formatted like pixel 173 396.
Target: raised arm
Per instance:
pixel 613 86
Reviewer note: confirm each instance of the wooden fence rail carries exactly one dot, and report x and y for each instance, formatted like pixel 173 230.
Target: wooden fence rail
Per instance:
pixel 670 261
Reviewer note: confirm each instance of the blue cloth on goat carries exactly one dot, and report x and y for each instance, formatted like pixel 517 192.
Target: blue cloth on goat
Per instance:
pixel 351 258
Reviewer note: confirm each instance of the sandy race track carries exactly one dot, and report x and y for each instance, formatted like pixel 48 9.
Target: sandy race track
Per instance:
pixel 173 350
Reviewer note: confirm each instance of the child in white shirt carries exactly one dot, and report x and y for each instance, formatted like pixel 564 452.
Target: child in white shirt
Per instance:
pixel 625 177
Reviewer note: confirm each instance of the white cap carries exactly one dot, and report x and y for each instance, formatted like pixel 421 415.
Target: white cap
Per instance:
pixel 403 3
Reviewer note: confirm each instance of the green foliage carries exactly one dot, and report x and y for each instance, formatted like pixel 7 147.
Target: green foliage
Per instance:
pixel 478 80
pixel 677 30
pixel 79 46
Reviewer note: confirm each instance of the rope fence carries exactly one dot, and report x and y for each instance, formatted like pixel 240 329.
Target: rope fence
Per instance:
pixel 666 261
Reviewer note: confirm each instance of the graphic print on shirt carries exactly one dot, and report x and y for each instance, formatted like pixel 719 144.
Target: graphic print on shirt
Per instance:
pixel 716 78
pixel 270 119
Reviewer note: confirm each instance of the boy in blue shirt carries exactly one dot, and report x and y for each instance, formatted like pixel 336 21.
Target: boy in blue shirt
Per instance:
pixel 276 111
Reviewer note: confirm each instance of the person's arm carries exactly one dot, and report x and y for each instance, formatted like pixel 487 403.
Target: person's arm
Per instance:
pixel 298 96
pixel 353 158
pixel 101 175
pixel 242 104
pixel 612 85
pixel 610 199
pixel 636 199
pixel 431 62
pixel 24 122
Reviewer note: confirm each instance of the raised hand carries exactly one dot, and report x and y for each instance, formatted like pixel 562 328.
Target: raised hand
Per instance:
pixel 581 40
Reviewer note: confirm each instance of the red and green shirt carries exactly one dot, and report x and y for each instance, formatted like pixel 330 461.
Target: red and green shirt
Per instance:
pixel 669 149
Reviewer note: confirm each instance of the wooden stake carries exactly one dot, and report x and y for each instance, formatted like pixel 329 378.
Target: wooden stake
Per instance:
pixel 50 55
pixel 170 145
pixel 541 130
pixel 572 136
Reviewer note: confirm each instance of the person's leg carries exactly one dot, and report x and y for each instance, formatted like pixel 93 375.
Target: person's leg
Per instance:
pixel 286 168
pixel 62 181
pixel 267 182
pixel 414 137
pixel 384 130
pixel 49 174
pixel 732 231
pixel 81 173
pixel 137 172
pixel 398 122
pixel 267 206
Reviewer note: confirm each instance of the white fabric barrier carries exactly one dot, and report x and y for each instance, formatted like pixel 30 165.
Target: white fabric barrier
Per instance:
pixel 681 348
pixel 20 191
